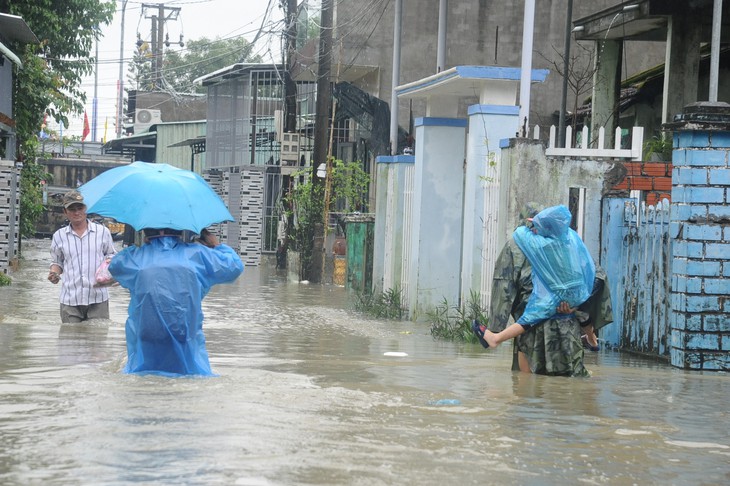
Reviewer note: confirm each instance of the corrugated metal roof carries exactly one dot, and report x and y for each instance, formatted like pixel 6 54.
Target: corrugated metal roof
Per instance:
pixel 235 70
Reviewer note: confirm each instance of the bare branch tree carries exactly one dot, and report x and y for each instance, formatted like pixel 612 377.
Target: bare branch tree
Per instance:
pixel 581 70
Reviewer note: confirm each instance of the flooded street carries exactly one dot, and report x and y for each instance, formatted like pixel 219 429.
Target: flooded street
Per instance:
pixel 307 396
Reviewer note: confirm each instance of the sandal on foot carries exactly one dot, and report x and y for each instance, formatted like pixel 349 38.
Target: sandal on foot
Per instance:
pixel 588 345
pixel 479 332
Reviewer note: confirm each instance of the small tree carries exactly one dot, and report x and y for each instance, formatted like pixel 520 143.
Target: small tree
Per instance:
pixel 581 70
pixel 51 80
pixel 139 72
pixel 305 203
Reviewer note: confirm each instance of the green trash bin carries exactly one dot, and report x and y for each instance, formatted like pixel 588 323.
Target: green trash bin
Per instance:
pixel 359 229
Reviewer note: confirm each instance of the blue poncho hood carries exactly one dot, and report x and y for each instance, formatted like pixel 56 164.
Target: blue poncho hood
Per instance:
pixel 562 268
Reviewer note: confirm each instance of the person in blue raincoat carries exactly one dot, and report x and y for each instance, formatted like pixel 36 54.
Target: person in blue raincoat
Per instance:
pixel 563 272
pixel 167 280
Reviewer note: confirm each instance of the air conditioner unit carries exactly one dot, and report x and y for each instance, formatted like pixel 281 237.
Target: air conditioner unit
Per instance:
pixel 144 118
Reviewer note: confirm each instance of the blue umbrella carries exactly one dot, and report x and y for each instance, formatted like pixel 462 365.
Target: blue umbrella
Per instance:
pixel 146 195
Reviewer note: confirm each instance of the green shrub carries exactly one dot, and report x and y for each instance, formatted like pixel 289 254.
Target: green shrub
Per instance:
pixel 386 305
pixel 5 280
pixel 662 147
pixel 454 322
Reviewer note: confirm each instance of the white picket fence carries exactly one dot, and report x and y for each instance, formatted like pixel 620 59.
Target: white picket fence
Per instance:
pixel 600 150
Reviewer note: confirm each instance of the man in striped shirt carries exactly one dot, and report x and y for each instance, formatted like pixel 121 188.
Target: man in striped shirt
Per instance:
pixel 77 250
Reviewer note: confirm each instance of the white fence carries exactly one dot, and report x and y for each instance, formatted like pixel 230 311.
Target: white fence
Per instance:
pixel 600 150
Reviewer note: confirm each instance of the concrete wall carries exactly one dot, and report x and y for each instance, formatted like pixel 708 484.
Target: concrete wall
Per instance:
pixel 528 175
pixel 479 33
pixel 391 239
pixel 66 174
pixel 69 173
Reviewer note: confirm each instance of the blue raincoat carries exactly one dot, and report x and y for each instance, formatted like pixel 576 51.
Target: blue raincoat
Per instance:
pixel 562 268
pixel 168 280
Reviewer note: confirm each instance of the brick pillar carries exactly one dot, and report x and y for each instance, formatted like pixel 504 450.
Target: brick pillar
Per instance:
pixel 700 227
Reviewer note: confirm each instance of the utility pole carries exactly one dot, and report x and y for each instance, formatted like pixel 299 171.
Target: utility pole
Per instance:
pixel 394 108
pixel 120 87
pixel 290 87
pixel 324 96
pixel 95 103
pixel 526 68
pixel 566 73
pixel 441 51
pixel 157 35
pixel 715 50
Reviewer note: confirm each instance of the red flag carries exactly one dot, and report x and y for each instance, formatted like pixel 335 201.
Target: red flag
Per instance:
pixel 87 130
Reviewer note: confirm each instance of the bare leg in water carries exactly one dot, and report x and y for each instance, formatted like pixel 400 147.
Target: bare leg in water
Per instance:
pixel 511 332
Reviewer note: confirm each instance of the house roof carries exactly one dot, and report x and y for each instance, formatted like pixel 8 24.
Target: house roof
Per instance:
pixel 647 20
pixel 234 71
pixel 126 144
pixel 647 83
pixel 464 81
pixel 197 144
pixel 14 29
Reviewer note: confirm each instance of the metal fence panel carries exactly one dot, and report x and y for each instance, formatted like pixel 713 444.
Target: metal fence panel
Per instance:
pixel 407 231
pixel 640 278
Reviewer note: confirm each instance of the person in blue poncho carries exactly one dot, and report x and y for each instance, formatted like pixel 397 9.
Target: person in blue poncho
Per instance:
pixel 167 280
pixel 563 272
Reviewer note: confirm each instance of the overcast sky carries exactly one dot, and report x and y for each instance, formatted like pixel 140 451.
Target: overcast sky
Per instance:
pixel 196 19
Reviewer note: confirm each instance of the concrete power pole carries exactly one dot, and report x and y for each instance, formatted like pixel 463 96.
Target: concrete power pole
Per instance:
pixel 443 22
pixel 526 67
pixel 715 50
pixel 120 87
pixel 566 73
pixel 290 87
pixel 324 96
pixel 157 35
pixel 394 108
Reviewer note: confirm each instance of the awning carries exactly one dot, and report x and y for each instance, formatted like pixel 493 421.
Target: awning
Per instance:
pixel 197 144
pixel 146 140
pixel 14 28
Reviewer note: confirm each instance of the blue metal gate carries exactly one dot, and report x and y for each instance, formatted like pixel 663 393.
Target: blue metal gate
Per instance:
pixel 636 253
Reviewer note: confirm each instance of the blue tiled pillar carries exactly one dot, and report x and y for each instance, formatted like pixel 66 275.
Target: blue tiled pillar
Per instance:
pixel 700 226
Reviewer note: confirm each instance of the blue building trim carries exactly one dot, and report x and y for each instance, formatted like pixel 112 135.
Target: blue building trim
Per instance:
pixel 493 110
pixel 440 122
pixel 497 72
pixel 395 159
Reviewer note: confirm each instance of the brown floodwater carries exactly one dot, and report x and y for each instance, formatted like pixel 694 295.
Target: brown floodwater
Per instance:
pixel 306 394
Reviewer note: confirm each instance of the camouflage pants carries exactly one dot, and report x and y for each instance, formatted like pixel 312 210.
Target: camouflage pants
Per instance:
pixel 554 348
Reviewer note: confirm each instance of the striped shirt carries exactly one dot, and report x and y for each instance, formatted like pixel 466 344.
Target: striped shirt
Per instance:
pixel 79 257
